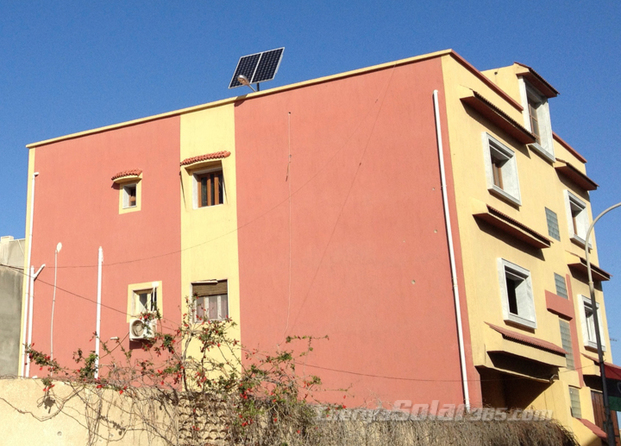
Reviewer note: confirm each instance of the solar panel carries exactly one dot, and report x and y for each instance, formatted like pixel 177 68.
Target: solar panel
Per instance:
pixel 259 67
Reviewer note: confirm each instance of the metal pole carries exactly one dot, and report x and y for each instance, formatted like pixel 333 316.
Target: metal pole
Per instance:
pixel 608 425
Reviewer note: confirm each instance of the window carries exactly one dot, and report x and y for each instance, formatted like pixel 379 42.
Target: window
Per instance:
pixel 517 294
pixel 210 300
pixel 144 298
pixel 501 170
pixel 577 218
pixel 209 187
pixel 552 221
pixel 129 196
pixel 537 120
pixel 561 286
pixel 574 399
pixel 533 105
pixel 588 324
pixel 145 301
pixel 566 343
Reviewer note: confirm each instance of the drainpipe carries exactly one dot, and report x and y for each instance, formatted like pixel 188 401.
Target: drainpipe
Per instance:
pixel 447 218
pixel 30 311
pixel 28 260
pixel 98 326
pixel 59 246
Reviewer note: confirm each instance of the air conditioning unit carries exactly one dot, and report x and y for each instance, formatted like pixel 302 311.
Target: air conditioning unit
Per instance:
pixel 140 330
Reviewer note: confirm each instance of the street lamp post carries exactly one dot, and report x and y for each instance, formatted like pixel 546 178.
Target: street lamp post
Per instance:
pixel 608 426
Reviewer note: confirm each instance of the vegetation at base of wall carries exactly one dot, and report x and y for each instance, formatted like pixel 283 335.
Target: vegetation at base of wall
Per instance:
pixel 196 369
pixel 190 387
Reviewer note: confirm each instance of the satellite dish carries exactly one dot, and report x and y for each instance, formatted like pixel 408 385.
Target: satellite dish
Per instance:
pixel 255 68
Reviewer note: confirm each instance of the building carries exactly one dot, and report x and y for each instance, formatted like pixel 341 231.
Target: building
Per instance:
pixel 319 209
pixel 11 277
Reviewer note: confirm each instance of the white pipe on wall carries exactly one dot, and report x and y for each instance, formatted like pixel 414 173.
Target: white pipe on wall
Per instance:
pixel 98 326
pixel 28 266
pixel 30 311
pixel 59 246
pixel 447 217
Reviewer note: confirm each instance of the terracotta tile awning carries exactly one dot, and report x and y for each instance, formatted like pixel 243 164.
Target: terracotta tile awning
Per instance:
pixel 496 116
pixel 528 340
pixel 206 157
pixel 514 228
pixel 613 371
pixel 577 263
pixel 569 171
pixel 594 428
pixel 537 81
pixel 132 173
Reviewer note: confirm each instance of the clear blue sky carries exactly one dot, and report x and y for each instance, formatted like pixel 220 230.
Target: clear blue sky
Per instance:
pixel 71 66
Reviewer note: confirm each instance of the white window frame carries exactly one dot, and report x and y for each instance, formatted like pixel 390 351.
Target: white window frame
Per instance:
pixel 494 149
pixel 588 323
pixel 196 185
pixel 578 232
pixel 126 195
pixel 546 147
pixel 152 303
pixel 525 302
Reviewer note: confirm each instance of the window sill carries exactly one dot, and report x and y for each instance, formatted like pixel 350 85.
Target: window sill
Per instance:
pixel 592 346
pixel 504 195
pixel 127 210
pixel 197 208
pixel 577 240
pixel 546 155
pixel 514 319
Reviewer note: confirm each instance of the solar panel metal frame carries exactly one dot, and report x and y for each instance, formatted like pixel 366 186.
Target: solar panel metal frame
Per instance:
pixel 258 67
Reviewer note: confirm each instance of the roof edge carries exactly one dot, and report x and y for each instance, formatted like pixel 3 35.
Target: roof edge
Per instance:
pixel 409 60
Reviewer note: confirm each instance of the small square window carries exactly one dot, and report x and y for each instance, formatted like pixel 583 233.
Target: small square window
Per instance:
pixel 561 286
pixel 552 221
pixel 144 301
pixel 209 188
pixel 577 218
pixel 211 300
pixel 517 295
pixel 129 196
pixel 588 324
pixel 144 298
pixel 501 170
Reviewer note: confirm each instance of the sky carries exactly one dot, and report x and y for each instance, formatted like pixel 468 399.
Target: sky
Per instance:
pixel 68 66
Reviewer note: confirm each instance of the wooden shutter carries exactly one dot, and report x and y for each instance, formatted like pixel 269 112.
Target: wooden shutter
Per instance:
pixel 210 289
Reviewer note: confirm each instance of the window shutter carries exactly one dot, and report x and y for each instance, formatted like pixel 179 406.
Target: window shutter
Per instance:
pixel 210 289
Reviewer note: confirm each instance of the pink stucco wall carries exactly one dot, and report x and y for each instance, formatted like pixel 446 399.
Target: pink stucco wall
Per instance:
pixel 342 233
pixel 77 205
